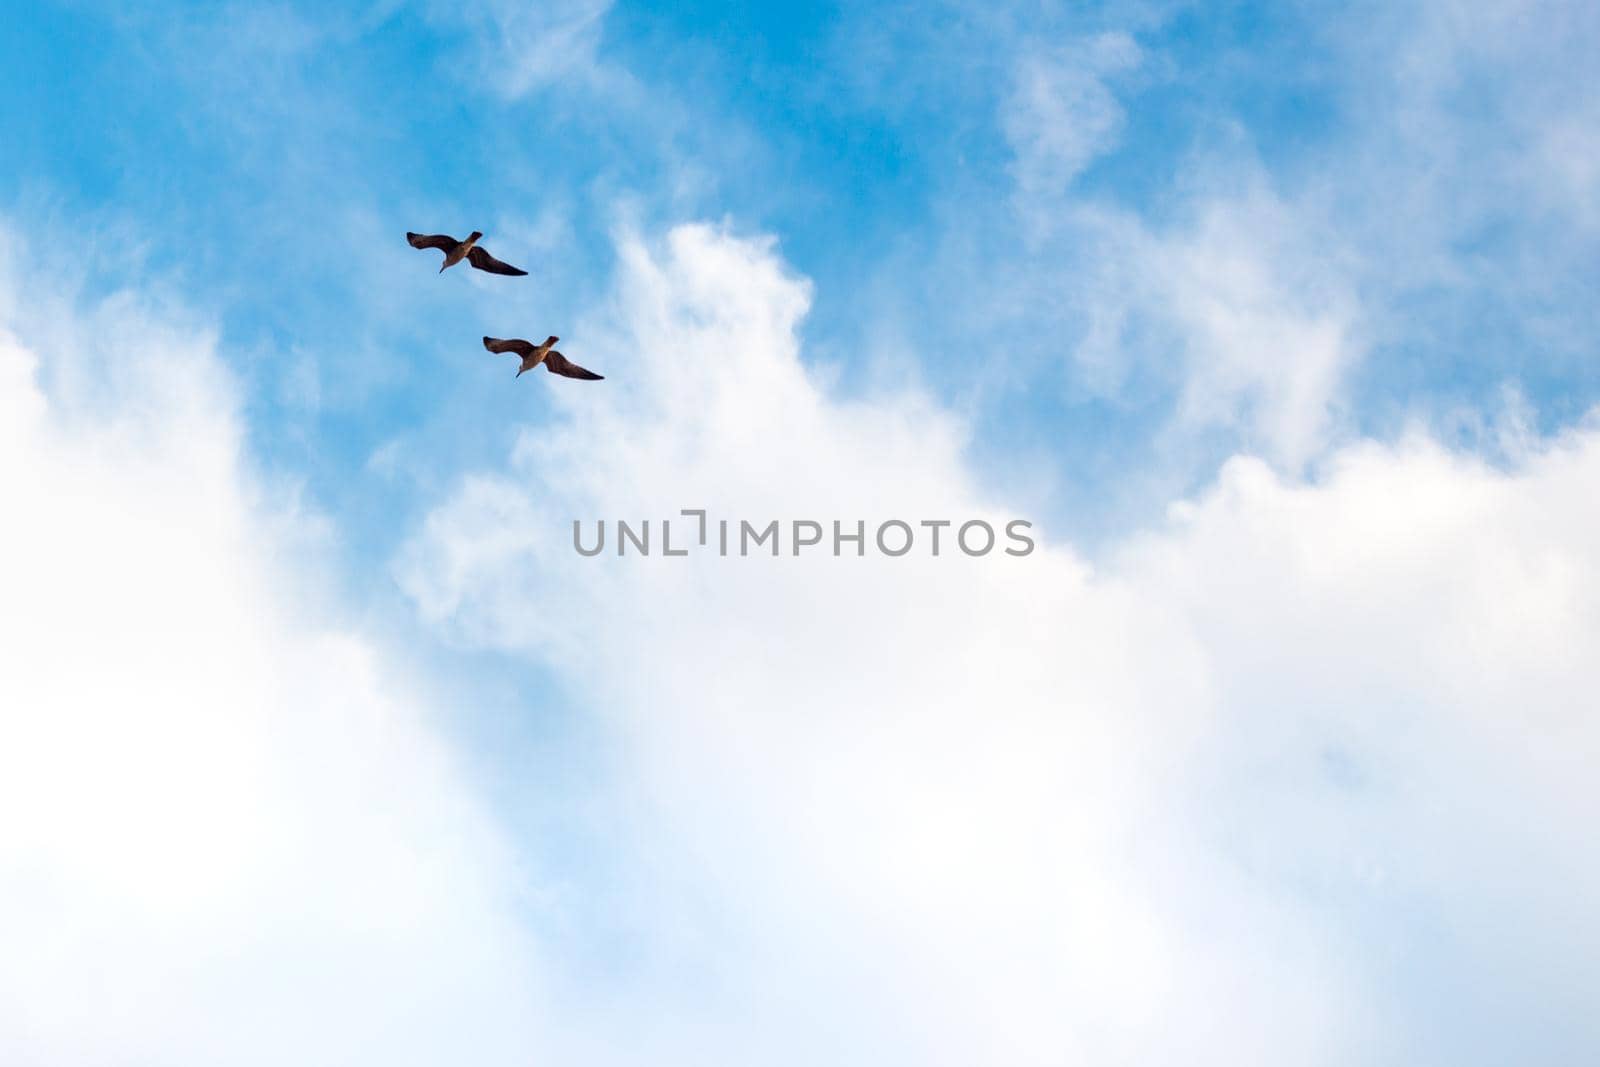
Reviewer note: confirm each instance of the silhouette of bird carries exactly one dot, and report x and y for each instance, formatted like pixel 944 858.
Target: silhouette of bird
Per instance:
pixel 533 355
pixel 455 251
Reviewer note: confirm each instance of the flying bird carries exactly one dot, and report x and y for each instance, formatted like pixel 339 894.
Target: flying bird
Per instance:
pixel 455 251
pixel 533 355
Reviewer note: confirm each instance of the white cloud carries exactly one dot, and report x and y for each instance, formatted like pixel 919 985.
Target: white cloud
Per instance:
pixel 1243 297
pixel 1304 775
pixel 1061 114
pixel 523 46
pixel 1258 789
pixel 1434 204
pixel 227 834
pixel 1252 298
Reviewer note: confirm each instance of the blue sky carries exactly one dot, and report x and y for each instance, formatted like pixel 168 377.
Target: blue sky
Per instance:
pixel 1278 320
pixel 870 141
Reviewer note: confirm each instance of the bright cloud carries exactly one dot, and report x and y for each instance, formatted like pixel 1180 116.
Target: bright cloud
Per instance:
pixel 1263 783
pixel 1250 791
pixel 227 834
pixel 1301 771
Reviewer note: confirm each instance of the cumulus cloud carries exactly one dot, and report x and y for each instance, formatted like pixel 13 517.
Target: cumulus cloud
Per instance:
pixel 227 832
pixel 1254 787
pixel 1261 784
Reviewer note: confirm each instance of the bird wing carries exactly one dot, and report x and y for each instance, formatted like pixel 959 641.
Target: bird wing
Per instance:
pixel 515 344
pixel 442 242
pixel 556 363
pixel 484 261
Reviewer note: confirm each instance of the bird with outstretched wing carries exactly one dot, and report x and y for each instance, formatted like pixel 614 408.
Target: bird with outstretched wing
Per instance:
pixel 455 251
pixel 533 355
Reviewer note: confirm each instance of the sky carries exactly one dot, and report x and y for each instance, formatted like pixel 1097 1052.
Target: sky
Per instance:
pixel 1277 321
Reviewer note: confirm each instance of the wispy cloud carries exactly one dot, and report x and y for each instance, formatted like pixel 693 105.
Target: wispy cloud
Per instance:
pixel 522 47
pixel 1251 302
pixel 1061 114
pixel 1362 217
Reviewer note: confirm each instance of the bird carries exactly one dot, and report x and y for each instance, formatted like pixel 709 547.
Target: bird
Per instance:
pixel 533 355
pixel 455 251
